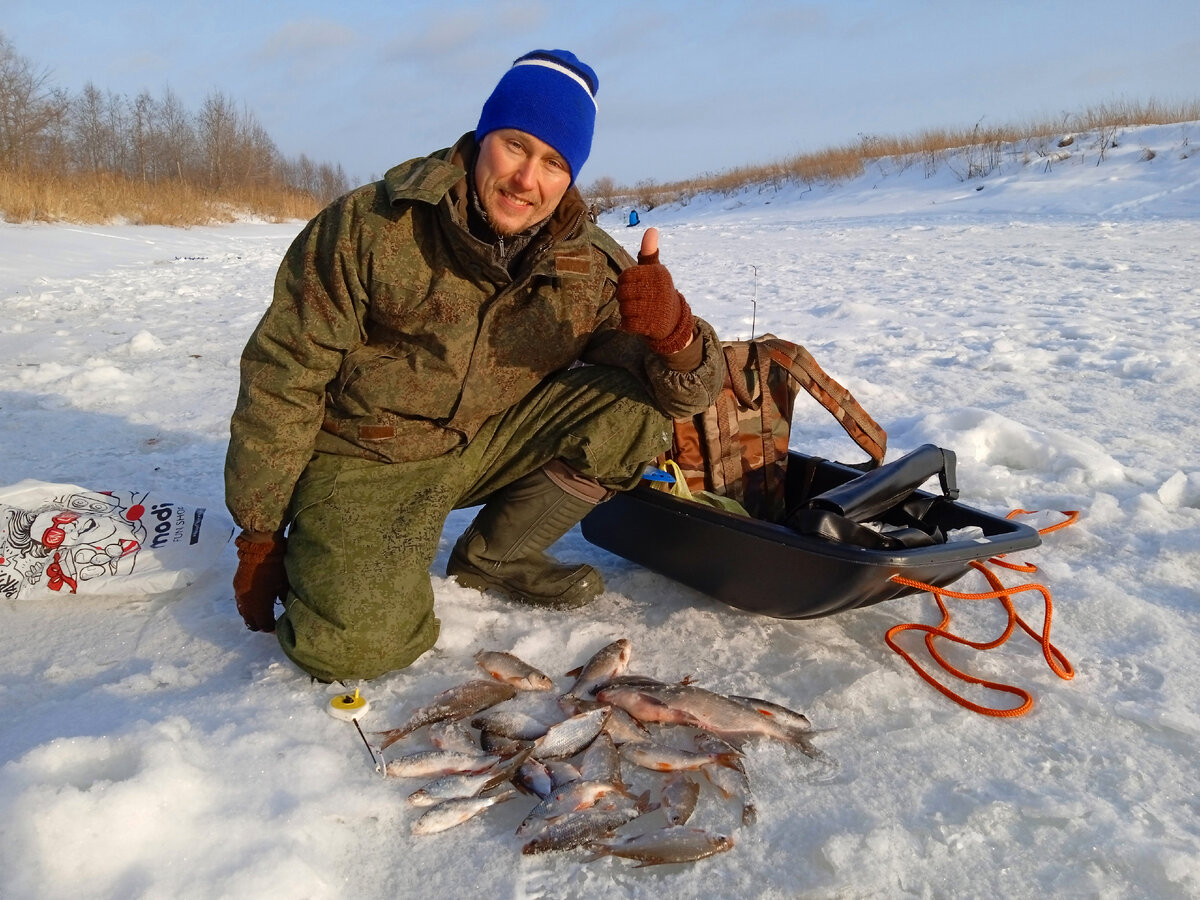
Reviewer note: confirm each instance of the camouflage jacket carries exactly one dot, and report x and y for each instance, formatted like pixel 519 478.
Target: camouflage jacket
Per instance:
pixel 394 334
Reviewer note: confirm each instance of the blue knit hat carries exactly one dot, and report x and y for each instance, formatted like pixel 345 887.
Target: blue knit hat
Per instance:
pixel 551 95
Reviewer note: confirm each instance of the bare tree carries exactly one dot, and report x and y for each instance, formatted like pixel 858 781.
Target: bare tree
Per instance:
pixel 331 183
pixel 216 127
pixel 30 110
pixel 603 192
pixel 223 147
pixel 89 138
pixel 176 147
pixel 142 125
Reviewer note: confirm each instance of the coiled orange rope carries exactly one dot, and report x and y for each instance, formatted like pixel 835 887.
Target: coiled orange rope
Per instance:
pixel 1054 658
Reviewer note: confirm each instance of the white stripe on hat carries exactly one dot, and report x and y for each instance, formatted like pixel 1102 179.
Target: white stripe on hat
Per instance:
pixel 557 67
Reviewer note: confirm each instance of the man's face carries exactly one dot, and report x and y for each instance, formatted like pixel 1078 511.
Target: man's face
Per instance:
pixel 519 179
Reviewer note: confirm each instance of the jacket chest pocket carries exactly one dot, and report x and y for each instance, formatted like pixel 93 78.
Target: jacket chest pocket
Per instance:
pixel 418 348
pixel 540 330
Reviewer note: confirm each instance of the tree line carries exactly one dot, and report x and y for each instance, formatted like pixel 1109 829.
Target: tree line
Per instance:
pixel 222 147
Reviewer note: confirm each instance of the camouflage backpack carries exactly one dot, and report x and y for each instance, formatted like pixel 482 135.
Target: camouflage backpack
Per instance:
pixel 738 447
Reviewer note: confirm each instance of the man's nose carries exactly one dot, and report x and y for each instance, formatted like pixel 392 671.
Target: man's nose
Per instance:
pixel 526 174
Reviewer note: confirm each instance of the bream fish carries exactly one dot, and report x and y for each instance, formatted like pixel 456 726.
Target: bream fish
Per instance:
pixel 456 703
pixel 673 844
pixel 690 705
pixel 450 813
pixel 605 664
pixel 506 667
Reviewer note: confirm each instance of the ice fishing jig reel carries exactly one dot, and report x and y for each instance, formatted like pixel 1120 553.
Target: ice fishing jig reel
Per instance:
pixel 348 707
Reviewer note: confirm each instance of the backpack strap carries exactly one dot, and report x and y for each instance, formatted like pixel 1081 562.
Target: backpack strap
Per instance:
pixel 720 435
pixel 799 363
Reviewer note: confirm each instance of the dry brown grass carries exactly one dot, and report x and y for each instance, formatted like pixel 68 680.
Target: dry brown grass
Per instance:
pixel 105 198
pixel 979 150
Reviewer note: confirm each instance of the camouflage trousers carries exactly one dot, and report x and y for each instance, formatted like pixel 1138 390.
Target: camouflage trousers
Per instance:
pixel 363 534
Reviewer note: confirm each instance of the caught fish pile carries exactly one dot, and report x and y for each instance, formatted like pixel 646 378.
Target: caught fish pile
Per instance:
pixel 630 749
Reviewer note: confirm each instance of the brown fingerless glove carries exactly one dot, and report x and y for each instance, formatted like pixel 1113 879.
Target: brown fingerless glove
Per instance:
pixel 260 579
pixel 651 306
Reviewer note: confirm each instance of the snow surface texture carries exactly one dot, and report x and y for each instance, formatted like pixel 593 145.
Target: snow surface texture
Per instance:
pixel 1042 322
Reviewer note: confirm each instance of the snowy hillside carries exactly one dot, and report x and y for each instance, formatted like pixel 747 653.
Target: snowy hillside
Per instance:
pixel 1042 322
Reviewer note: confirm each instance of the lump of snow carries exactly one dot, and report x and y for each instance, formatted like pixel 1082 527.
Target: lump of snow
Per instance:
pixel 995 440
pixel 142 342
pixel 1181 490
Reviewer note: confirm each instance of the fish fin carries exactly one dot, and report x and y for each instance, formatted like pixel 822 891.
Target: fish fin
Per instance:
pixel 729 760
pixel 643 803
pixel 652 700
pixel 507 771
pixel 392 736
pixel 574 673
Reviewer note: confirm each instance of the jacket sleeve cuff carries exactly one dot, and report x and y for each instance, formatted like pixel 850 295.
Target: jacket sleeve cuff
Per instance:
pixel 689 358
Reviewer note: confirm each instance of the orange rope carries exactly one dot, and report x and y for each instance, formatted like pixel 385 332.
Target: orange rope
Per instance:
pixel 1054 658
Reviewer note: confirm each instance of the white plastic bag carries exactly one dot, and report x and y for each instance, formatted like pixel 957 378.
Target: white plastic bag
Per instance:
pixel 60 539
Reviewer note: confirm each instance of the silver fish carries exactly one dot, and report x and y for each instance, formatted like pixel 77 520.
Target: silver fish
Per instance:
pixel 601 761
pixel 580 828
pixel 679 798
pixel 455 703
pixel 571 735
pixel 571 798
pixel 500 745
pixel 535 778
pixel 453 735
pixel 451 787
pixel 512 670
pixel 561 772
pixel 510 723
pixel 695 706
pixel 450 813
pixel 789 718
pixel 606 663
pixel 632 680
pixel 622 727
pixel 662 758
pixel 433 763
pixel 673 844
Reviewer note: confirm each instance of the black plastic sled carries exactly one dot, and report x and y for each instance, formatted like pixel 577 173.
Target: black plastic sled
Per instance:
pixel 773 570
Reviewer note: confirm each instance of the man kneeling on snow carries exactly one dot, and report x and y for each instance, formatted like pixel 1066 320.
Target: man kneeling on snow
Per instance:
pixel 420 354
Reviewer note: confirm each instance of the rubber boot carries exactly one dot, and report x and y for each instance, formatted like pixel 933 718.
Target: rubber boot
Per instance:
pixel 503 549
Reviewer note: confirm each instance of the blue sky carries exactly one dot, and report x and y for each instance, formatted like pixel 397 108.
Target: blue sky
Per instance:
pixel 685 88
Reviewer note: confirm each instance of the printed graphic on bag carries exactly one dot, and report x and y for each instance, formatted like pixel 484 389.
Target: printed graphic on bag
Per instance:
pixel 60 539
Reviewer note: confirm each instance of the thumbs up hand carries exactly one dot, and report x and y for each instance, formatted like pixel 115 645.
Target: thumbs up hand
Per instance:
pixel 649 303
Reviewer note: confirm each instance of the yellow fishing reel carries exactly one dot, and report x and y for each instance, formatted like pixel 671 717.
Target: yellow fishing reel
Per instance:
pixel 348 707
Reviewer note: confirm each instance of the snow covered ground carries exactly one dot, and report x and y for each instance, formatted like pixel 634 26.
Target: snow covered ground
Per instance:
pixel 1042 322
